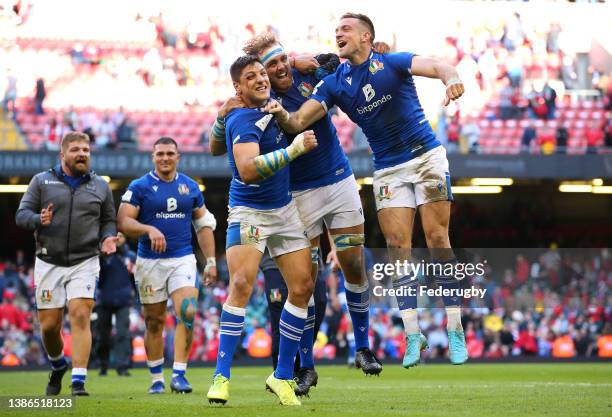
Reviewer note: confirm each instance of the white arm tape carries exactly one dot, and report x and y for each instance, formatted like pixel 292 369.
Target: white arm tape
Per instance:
pixel 207 220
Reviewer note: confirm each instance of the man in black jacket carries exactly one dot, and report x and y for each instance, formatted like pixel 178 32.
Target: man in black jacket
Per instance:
pixel 72 213
pixel 114 297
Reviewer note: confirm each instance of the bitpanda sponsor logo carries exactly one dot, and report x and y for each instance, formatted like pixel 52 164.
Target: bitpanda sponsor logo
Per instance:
pixel 166 216
pixel 375 104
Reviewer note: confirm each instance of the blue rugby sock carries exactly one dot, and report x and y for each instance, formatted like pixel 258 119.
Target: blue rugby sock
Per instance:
pixel 58 362
pixel 291 327
pixel 307 340
pixel 448 283
pixel 358 302
pixel 156 370
pixel 232 321
pixel 79 375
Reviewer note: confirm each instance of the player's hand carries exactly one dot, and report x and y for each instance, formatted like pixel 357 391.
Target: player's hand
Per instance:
pixel 305 64
pixel 46 215
pixel 381 48
pixel 310 140
pixel 210 274
pixel 275 108
pixel 454 90
pixel 158 240
pixel 109 245
pixel 231 104
pixel 332 258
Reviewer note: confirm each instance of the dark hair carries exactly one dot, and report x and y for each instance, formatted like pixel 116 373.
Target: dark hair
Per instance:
pixel 240 64
pixel 363 19
pixel 74 137
pixel 165 140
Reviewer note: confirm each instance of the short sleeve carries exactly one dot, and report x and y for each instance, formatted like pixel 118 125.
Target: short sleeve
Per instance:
pixel 324 92
pixel 198 198
pixel 400 61
pixel 247 126
pixel 133 195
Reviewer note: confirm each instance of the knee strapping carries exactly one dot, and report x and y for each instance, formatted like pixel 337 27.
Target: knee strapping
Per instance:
pixel 314 255
pixel 184 318
pixel 348 240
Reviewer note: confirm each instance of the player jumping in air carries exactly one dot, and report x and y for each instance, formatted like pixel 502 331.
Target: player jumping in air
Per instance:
pixel 377 92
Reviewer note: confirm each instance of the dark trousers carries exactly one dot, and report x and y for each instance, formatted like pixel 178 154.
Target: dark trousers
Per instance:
pixel 276 295
pixel 122 346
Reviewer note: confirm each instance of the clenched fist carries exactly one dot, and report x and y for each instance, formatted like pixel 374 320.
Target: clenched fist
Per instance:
pixel 46 215
pixel 303 143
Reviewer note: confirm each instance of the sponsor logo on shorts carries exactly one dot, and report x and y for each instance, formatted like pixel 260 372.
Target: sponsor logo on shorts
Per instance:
pixel 275 295
pixel 183 189
pixel 375 66
pixel 384 192
pixel 45 296
pixel 305 89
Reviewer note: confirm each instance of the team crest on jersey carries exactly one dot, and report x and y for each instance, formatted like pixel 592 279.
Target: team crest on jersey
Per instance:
pixel 183 189
pixel 375 66
pixel 305 89
pixel 384 193
pixel 45 296
pixel 275 295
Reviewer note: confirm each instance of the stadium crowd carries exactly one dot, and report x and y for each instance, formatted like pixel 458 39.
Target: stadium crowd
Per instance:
pixel 515 69
pixel 551 303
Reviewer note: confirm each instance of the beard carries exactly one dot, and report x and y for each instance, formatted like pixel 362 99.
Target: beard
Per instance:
pixel 79 169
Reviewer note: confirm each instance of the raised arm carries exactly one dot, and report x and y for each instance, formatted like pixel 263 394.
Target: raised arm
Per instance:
pixel 295 122
pixel 254 167
pixel 437 68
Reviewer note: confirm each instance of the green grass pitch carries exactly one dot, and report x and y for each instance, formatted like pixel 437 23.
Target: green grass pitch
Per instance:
pixel 491 390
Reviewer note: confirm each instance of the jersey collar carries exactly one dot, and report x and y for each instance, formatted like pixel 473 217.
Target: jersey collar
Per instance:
pixel 154 175
pixel 349 67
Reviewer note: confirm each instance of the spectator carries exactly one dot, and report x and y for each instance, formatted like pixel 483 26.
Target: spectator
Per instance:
pixel 10 94
pixel 529 134
pixel 470 134
pixel 452 134
pixel 594 137
pixel 104 133
pixel 52 134
pixel 546 140
pixel 114 298
pixel 562 136
pixel 39 97
pixel 607 128
pixel 126 135
pixel 550 98
pixel 507 109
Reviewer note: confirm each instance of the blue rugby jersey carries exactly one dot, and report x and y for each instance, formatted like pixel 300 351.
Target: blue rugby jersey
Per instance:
pixel 326 164
pixel 380 96
pixel 252 125
pixel 168 206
